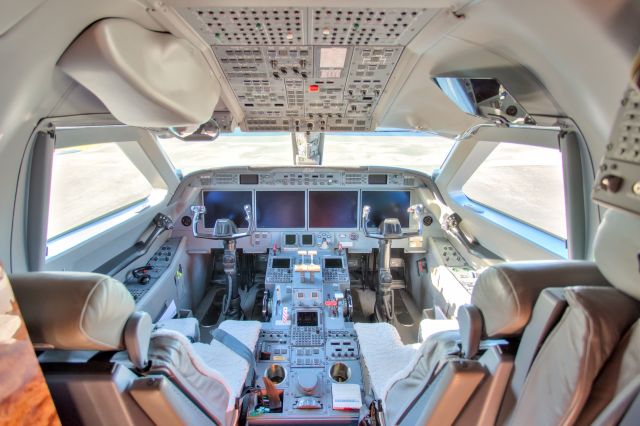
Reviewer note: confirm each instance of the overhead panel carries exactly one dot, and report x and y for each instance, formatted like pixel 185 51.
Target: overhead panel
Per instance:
pixel 315 69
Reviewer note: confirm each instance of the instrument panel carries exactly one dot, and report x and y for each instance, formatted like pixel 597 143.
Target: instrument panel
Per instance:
pixel 308 207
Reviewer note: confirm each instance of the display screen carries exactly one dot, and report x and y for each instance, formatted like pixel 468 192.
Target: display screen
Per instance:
pixel 333 262
pixel 386 205
pixel 333 209
pixel 248 179
pixel 225 205
pixel 280 209
pixel 307 318
pixel 290 240
pixel 377 179
pixel 307 239
pixel 281 263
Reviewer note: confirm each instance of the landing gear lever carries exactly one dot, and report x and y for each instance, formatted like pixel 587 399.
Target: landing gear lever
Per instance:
pixel 390 229
pixel 225 230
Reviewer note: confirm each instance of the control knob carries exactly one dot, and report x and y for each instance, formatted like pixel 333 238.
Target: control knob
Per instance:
pixel 307 382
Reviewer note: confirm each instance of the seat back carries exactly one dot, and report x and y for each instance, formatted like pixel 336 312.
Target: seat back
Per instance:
pixel 590 357
pixel 76 319
pixel 173 357
pixel 85 318
pixel 573 354
pixel 617 384
pixel 617 251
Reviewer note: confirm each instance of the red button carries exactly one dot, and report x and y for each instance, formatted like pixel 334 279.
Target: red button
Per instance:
pixel 314 88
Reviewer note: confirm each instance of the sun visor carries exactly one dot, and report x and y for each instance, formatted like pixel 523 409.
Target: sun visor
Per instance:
pixel 145 78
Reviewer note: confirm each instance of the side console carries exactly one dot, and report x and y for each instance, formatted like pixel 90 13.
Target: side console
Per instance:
pixel 142 279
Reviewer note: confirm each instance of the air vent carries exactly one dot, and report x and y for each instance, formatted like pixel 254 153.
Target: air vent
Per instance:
pixel 409 181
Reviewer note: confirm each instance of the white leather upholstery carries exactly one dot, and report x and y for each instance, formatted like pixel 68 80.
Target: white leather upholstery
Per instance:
pixel 383 354
pixel 145 78
pixel 212 374
pixel 173 356
pixel 223 359
pixel 506 293
pixel 504 296
pixel 137 333
pixel 73 310
pixel 617 251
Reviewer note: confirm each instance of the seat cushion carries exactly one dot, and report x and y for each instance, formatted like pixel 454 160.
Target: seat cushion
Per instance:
pixel 232 366
pixel 383 353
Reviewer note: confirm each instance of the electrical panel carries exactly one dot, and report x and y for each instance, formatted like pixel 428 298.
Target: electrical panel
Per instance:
pixel 617 183
pixel 307 69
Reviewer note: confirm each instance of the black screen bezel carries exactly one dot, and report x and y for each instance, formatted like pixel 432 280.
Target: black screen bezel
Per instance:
pixel 404 218
pixel 283 260
pixel 239 214
pixel 329 260
pixel 260 224
pixel 353 225
pixel 312 320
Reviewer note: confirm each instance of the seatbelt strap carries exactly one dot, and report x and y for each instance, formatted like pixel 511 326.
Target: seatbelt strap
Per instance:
pixel 236 346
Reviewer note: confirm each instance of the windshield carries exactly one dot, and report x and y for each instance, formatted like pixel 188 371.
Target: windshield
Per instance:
pixel 410 150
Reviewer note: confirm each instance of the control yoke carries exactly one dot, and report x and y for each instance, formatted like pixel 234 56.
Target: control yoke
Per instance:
pixel 224 229
pixel 390 228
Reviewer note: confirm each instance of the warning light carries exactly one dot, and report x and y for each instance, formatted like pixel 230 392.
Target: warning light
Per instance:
pixel 313 88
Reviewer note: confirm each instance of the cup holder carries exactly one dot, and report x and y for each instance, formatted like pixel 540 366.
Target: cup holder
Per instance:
pixel 340 372
pixel 276 373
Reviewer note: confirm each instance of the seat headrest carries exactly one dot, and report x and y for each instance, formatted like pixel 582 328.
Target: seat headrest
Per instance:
pixel 617 251
pixel 73 310
pixel 506 293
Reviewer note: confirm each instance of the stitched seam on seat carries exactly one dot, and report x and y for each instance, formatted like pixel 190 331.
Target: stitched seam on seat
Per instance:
pixel 543 349
pixel 573 403
pixel 83 312
pixel 513 291
pixel 197 361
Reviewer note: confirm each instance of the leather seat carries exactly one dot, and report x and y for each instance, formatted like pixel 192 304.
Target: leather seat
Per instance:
pixel 503 303
pixel 69 311
pixel 617 251
pixel 588 359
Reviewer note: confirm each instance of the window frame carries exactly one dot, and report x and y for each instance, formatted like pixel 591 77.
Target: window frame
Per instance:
pixel 467 156
pixel 134 144
pixel 511 216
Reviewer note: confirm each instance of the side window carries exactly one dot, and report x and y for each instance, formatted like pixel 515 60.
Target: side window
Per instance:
pixel 91 182
pixel 524 182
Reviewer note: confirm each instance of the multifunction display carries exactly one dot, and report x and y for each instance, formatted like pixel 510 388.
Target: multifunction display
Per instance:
pixel 387 204
pixel 311 209
pixel 333 209
pixel 225 205
pixel 280 209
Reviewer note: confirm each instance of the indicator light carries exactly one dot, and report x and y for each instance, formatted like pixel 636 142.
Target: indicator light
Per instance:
pixel 313 88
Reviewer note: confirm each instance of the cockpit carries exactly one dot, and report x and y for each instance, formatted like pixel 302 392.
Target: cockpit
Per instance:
pixel 292 212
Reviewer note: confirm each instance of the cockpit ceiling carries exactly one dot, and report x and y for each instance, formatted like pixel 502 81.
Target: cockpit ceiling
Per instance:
pixel 299 69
